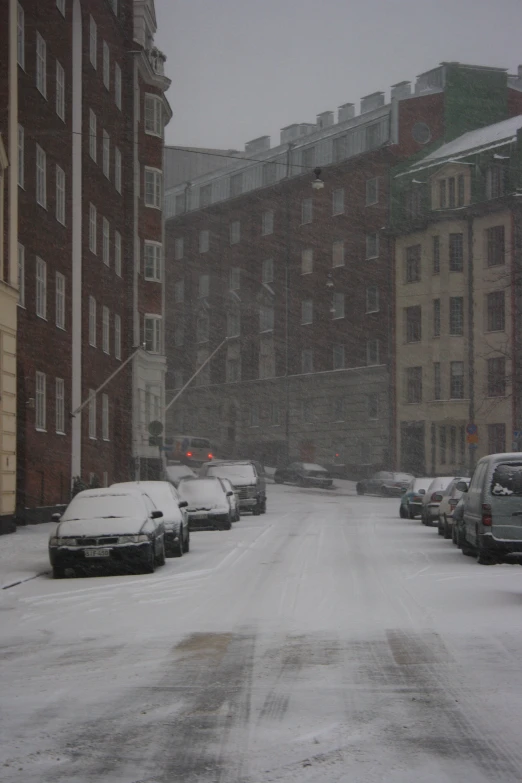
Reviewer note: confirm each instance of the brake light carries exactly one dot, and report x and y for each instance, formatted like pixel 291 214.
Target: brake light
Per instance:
pixel 210 456
pixel 436 497
pixel 486 515
pixel 189 454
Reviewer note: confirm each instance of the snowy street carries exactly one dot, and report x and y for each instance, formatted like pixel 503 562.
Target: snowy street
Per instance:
pixel 327 640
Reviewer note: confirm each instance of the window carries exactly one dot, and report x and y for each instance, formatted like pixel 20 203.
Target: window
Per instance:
pixel 117 169
pixel 60 301
pixel 267 271
pixel 338 357
pixel 373 136
pixel 338 253
pixel 41 65
pixel 462 444
pixel 451 192
pixel 106 241
pixel 339 148
pixel 40 402
pixel 117 85
pixel 59 408
pixel 372 352
pixel 92 321
pixel 233 322
pixel 92 135
pixel 204 241
pixel 495 305
pixel 442 194
pixel 308 158
pixel 453 443
pixel 442 445
pixel 179 291
pixel 338 201
pixel 93 42
pixel 413 264
pixel 437 390
pixel 413 202
pixel 117 337
pixel 275 414
pixel 205 195
pixel 117 253
pixel 266 318
pixel 21 149
pixel 497 377
pixel 202 328
pixel 436 254
pixel 413 324
pixel 460 190
pixel 153 178
pixel 92 414
pixel 372 191
pixel 307 311
pixel 254 415
pixel 106 321
pixel 456 252
pixel 21 275
pixel 373 406
pixel 106 153
pixel 495 182
pixel 372 245
pixel 152 329
pixel 457 380
pixel 234 278
pixel 307 261
pixel 436 317
pixel 153 110
pixel 236 185
pixel 372 299
pixel 496 438
pixel 233 369
pixel 178 248
pixel 338 409
pixel 60 91
pixel 204 286
pixel 152 252
pixel 235 232
pixel 20 37
pixel 179 331
pixel 41 288
pixel 307 360
pixel 338 305
pixel 413 384
pixel 267 223
pixel 92 228
pixel 105 416
pixel 41 177
pixel 269 173
pixel 306 211
pixel 106 65
pixel 495 246
pixel 60 195
pixel 456 315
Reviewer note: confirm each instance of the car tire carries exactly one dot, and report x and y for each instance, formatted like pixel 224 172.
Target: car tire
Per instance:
pixel 149 562
pixel 446 528
pixel 227 524
pixel 177 549
pixel 263 506
pixel 483 557
pixel 58 572
pixel 384 492
pixel 454 534
pixel 256 511
pixel 359 489
pixel 467 549
pixel 160 560
pixel 403 513
pixel 186 545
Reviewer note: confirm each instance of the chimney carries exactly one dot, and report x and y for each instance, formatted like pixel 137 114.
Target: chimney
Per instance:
pixel 289 133
pixel 401 90
pixel 260 144
pixel 346 112
pixel 371 102
pixel 325 119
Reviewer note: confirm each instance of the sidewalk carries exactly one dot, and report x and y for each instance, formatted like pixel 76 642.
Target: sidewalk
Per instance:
pixel 24 555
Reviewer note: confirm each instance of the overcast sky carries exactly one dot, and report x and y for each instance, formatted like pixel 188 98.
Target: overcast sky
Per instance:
pixel 242 69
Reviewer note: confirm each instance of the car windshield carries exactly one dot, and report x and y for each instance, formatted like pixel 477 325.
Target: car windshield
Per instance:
pixel 421 483
pixel 232 472
pixel 104 507
pixel 507 479
pixel 201 491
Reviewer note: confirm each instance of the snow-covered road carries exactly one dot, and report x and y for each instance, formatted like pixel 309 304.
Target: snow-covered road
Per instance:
pixel 327 641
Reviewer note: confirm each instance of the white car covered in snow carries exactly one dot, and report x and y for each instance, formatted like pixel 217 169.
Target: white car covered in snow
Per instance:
pixel 208 503
pixel 117 527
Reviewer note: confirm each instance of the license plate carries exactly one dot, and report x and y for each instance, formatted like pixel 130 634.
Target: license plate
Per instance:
pixel 97 552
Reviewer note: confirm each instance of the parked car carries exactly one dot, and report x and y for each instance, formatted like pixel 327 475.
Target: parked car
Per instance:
pixel 491 528
pixel 304 474
pixel 174 473
pixel 432 498
pixel 447 506
pixel 456 528
pixel 411 500
pixel 384 483
pixel 175 516
pixel 110 526
pixel 208 503
pixel 233 499
pixel 248 482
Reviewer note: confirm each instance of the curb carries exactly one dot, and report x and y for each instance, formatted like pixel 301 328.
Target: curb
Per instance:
pixel 21 581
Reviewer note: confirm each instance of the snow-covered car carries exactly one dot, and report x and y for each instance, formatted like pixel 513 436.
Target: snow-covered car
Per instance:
pixel 304 474
pixel 411 500
pixel 384 483
pixel 208 503
pixel 449 502
pixel 175 516
pixel 432 498
pixel 174 473
pixel 233 499
pixel 248 482
pixel 111 526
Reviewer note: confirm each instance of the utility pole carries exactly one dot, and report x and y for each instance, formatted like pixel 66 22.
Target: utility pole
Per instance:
pixel 178 395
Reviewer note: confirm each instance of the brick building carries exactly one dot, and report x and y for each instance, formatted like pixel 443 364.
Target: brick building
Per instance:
pixel 300 280
pixel 89 126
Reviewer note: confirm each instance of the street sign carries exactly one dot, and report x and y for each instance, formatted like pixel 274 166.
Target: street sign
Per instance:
pixel 472 440
pixel 517 434
pixel 472 429
pixel 155 428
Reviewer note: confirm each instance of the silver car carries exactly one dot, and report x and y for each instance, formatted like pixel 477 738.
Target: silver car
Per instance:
pixel 432 498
